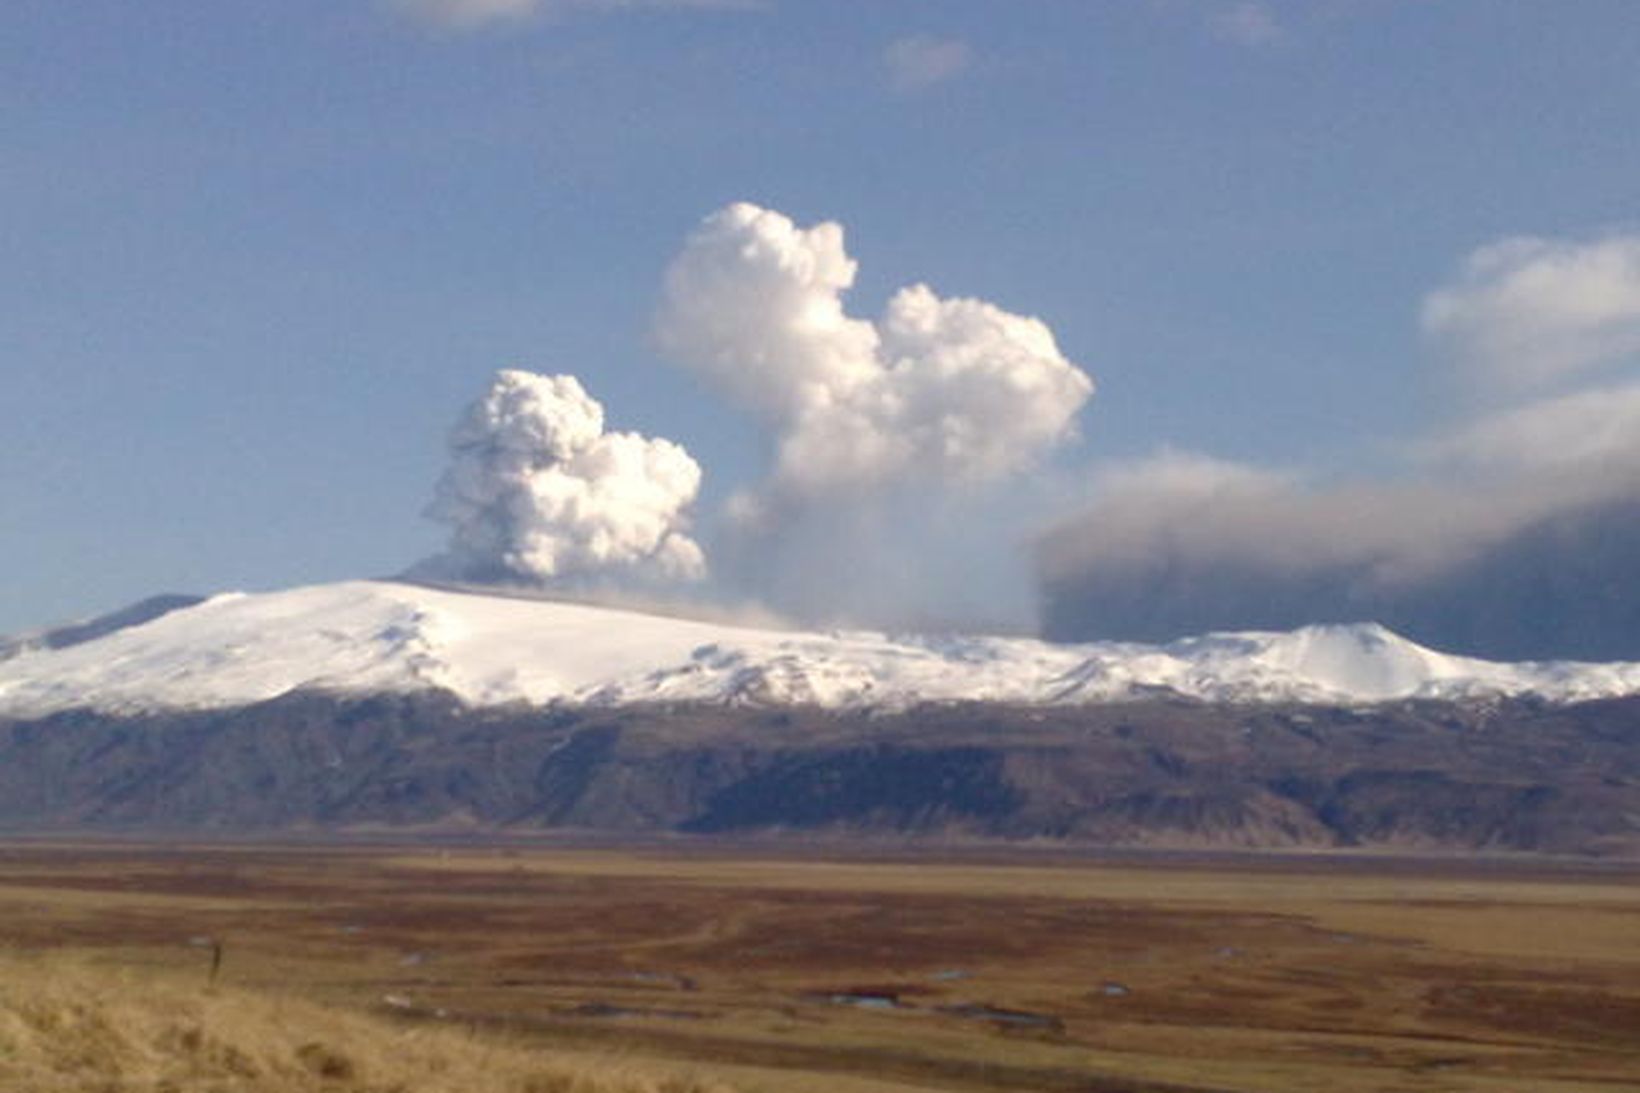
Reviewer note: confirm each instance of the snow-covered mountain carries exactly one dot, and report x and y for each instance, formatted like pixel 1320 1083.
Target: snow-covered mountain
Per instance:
pixel 381 636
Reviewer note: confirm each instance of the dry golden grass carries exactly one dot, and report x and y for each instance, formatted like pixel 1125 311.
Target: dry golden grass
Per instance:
pixel 1037 971
pixel 68 1026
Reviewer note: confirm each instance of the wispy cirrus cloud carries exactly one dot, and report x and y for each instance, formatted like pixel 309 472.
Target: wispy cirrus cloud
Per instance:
pixel 1528 312
pixel 1250 24
pixel 923 60
pixel 471 14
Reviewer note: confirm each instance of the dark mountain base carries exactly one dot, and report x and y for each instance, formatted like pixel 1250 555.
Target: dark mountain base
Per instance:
pixel 1520 776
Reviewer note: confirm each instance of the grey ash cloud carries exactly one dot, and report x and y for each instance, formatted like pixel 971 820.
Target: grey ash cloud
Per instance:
pixel 1515 535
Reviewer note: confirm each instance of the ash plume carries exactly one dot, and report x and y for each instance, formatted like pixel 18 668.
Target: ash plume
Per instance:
pixel 537 492
pixel 1515 535
pixel 1518 567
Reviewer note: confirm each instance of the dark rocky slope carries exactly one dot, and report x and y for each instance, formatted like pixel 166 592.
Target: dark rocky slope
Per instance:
pixel 1519 776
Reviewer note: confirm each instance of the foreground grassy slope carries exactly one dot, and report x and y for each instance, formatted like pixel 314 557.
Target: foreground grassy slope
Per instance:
pixel 71 1027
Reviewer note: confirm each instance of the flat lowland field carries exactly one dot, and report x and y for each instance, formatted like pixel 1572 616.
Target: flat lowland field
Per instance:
pixel 783 967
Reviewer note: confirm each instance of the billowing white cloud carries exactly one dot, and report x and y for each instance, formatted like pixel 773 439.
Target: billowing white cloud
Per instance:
pixel 464 14
pixel 923 60
pixel 1527 312
pixel 937 391
pixel 537 491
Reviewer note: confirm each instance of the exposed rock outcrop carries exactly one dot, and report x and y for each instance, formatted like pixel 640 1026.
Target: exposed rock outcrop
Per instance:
pixel 1520 776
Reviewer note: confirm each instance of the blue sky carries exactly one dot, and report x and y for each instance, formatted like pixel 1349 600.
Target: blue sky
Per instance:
pixel 258 256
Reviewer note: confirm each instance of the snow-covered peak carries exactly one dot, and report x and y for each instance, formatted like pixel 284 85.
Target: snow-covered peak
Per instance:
pixel 377 636
pixel 1365 661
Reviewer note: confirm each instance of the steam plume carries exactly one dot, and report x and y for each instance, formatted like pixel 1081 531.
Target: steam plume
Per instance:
pixel 537 491
pixel 884 433
pixel 953 391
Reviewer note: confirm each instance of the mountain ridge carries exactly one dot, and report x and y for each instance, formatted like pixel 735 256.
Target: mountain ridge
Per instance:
pixel 1514 776
pixel 363 637
pixel 380 705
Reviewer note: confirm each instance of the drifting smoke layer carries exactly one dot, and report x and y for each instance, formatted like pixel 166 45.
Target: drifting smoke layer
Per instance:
pixel 1518 539
pixel 936 391
pixel 537 492
pixel 1538 567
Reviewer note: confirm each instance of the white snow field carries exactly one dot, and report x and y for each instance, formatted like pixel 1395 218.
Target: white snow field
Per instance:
pixel 383 636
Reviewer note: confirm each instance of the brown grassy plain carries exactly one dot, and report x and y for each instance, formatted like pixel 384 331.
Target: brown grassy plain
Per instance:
pixel 785 968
